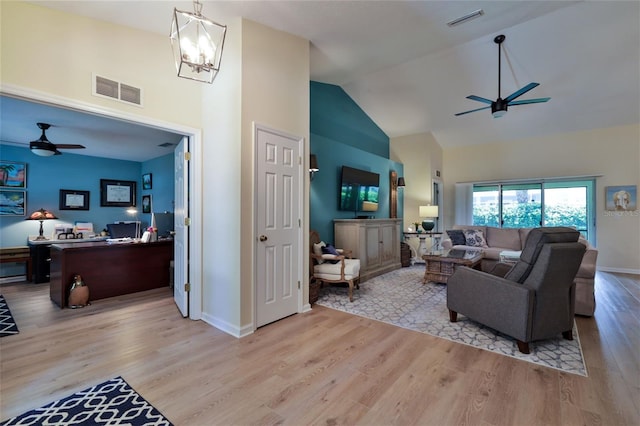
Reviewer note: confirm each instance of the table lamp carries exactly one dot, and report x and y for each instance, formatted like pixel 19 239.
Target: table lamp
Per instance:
pixel 428 212
pixel 41 215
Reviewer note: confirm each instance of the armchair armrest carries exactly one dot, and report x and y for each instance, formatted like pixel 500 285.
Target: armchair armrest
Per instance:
pixel 501 304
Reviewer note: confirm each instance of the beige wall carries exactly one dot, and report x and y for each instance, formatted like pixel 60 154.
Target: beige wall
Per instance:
pixel 613 153
pixel 56 53
pixel 264 79
pixel 275 93
pixel 421 156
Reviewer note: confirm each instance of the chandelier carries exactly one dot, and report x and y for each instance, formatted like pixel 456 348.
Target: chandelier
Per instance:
pixel 197 43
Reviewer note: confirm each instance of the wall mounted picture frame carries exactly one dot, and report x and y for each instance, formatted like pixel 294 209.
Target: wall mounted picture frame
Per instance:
pixel 71 199
pixel 146 204
pixel 12 202
pixel 117 193
pixel 147 181
pixel 621 198
pixel 13 174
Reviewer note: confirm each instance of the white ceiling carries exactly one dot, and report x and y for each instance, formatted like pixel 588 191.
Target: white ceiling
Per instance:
pixel 410 72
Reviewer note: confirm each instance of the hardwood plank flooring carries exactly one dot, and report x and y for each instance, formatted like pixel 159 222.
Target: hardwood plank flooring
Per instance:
pixel 322 367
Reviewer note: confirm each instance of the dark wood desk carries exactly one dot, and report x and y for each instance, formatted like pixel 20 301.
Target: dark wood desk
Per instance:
pixel 109 269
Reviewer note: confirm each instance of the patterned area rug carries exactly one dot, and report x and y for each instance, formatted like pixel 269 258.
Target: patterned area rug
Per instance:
pixel 400 298
pixel 110 403
pixel 7 324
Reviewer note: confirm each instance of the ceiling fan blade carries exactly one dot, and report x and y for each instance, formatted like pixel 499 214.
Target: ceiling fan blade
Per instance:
pixel 479 99
pixel 521 92
pixel 69 146
pixel 473 110
pixel 529 101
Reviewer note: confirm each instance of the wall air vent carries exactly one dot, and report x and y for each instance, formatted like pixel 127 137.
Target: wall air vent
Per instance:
pixel 116 90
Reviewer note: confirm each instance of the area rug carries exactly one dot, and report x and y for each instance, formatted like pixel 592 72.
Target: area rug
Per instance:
pixel 112 402
pixel 7 323
pixel 400 298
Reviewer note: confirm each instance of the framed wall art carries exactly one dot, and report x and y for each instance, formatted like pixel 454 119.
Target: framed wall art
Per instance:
pixel 621 198
pixel 13 175
pixel 12 202
pixel 147 181
pixel 117 193
pixel 146 204
pixel 74 199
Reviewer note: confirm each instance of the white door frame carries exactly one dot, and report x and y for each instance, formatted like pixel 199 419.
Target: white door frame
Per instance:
pixel 195 172
pixel 303 153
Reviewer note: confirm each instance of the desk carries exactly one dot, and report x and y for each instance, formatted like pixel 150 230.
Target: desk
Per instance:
pixel 422 245
pixel 17 255
pixel 109 269
pixel 41 255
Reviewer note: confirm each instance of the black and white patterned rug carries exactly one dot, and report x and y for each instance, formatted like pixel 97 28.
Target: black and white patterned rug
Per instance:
pixel 400 298
pixel 113 402
pixel 7 323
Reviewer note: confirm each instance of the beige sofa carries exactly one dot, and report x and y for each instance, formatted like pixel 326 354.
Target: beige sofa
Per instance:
pixel 513 239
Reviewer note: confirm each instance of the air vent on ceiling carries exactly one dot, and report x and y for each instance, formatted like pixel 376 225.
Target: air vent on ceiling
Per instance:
pixel 166 145
pixel 116 90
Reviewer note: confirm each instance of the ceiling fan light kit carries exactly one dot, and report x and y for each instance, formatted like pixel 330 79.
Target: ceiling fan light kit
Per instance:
pixel 44 148
pixel 499 106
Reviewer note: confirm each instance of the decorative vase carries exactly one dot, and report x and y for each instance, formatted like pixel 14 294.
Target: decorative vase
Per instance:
pixel 428 225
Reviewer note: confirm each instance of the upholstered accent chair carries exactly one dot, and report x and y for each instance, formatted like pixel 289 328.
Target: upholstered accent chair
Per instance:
pixel 531 300
pixel 329 266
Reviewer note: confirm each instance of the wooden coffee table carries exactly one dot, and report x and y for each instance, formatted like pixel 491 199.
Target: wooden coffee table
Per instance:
pixel 440 266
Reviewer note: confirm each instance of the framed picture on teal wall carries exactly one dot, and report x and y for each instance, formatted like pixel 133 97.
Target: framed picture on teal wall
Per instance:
pixel 147 181
pixel 117 193
pixel 12 203
pixel 12 174
pixel 74 200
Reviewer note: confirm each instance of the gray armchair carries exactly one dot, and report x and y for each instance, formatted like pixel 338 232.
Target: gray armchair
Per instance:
pixel 534 300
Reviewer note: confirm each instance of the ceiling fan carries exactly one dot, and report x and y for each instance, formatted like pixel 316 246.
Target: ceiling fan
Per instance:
pixel 44 148
pixel 499 106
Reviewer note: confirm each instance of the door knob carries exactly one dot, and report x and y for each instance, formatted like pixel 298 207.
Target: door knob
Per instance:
pixel 263 238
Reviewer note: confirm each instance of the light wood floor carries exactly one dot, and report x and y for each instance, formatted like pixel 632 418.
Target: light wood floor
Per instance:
pixel 323 367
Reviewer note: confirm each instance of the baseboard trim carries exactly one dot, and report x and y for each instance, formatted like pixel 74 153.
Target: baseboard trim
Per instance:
pixel 226 327
pixel 13 279
pixel 619 270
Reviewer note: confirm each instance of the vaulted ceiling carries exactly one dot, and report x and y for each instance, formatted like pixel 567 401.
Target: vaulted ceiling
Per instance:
pixel 411 73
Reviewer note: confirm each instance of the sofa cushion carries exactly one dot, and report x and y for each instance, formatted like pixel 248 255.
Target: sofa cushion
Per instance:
pixel 524 233
pixel 457 237
pixel 475 238
pixel 317 250
pixel 507 238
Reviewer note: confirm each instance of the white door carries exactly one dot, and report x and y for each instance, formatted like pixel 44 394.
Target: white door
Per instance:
pixel 278 225
pixel 181 237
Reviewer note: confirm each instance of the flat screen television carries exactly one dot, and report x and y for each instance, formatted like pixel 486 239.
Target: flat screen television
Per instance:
pixel 164 224
pixel 358 190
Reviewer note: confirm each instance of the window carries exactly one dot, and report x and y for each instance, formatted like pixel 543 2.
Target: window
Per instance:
pixel 532 204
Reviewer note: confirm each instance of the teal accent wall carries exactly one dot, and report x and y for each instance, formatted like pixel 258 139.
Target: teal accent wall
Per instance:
pixel 343 135
pixel 47 175
pixel 336 116
pixel 163 183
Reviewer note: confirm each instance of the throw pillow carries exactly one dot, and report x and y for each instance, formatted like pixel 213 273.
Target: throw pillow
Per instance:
pixel 331 250
pixel 457 237
pixel 317 250
pixel 475 238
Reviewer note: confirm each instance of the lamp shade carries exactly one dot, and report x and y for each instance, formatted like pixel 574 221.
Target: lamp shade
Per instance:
pixel 428 211
pixel 401 181
pixel 41 214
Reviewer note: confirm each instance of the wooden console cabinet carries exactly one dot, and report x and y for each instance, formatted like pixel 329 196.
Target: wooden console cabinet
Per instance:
pixel 376 242
pixel 109 269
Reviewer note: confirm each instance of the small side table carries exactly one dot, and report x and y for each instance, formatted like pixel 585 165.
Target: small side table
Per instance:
pixel 422 245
